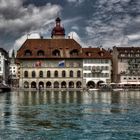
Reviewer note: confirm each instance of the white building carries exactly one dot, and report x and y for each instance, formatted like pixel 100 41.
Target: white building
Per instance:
pixel 13 71
pixel 3 66
pixel 97 68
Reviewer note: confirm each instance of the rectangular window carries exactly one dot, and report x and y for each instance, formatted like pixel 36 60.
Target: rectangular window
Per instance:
pixel 84 74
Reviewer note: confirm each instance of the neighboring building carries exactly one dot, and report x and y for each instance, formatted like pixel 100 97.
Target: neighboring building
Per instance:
pixel 4 66
pixel 97 67
pixel 126 64
pixel 13 71
pixel 58 62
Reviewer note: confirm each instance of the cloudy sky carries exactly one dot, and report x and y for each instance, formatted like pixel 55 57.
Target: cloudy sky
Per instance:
pixel 92 22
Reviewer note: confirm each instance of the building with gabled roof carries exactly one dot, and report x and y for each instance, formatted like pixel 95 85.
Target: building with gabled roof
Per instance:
pixel 56 62
pixel 97 67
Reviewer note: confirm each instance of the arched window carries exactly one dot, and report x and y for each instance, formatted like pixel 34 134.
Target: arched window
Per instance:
pixel 78 73
pixel 33 84
pixel 41 84
pixel 99 83
pixel 56 84
pixel 26 74
pixel 71 84
pixel 56 53
pixel 78 84
pixel 27 53
pixel 71 73
pixel 48 84
pixel 74 52
pixel 48 74
pixel 40 53
pixel 41 74
pixel 90 84
pixel 33 74
pixel 56 74
pixel 63 84
pixel 26 84
pixel 63 73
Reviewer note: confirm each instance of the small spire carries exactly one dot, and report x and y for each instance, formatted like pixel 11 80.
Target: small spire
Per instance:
pixel 58 31
pixel 58 19
pixel 13 54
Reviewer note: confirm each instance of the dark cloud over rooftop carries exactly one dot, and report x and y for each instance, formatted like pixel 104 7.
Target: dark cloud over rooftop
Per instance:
pixel 94 23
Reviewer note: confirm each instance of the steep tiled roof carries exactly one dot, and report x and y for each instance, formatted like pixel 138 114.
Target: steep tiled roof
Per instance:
pixel 48 46
pixel 96 53
pixel 68 48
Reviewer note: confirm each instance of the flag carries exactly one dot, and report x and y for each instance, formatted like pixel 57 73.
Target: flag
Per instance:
pixel 61 64
pixel 38 64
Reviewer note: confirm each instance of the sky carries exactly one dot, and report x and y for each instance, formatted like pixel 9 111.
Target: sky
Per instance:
pixel 93 23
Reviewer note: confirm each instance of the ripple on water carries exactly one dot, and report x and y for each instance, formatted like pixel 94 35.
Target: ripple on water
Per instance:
pixel 70 116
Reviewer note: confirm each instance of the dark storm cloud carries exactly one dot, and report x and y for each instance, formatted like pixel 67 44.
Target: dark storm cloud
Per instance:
pixel 93 22
pixel 113 22
pixel 17 19
pixel 27 18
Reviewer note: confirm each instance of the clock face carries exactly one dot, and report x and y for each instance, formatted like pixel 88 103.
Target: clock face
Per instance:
pixel 58 24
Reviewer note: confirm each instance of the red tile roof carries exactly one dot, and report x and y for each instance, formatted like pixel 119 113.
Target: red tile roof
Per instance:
pixel 65 46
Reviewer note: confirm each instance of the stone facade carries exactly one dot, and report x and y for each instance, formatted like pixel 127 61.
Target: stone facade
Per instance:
pixel 57 62
pixel 50 75
pixel 126 64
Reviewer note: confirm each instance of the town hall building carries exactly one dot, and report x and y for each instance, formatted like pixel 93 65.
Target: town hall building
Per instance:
pixel 61 62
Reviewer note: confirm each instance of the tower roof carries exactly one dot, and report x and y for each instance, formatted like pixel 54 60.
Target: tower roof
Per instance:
pixel 58 30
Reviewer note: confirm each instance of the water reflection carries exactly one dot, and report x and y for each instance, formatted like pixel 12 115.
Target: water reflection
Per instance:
pixel 105 102
pixel 57 97
pixel 49 97
pixel 58 112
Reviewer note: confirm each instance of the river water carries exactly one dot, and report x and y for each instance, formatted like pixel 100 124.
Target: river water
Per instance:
pixel 70 115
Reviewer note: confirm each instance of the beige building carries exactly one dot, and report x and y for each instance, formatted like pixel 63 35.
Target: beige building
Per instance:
pixel 56 62
pixel 50 63
pixel 126 64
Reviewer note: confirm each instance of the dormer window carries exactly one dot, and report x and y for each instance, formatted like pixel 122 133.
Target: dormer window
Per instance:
pixel 28 53
pixel 101 53
pixel 40 53
pixel 56 53
pixel 123 55
pixel 88 53
pixel 74 52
